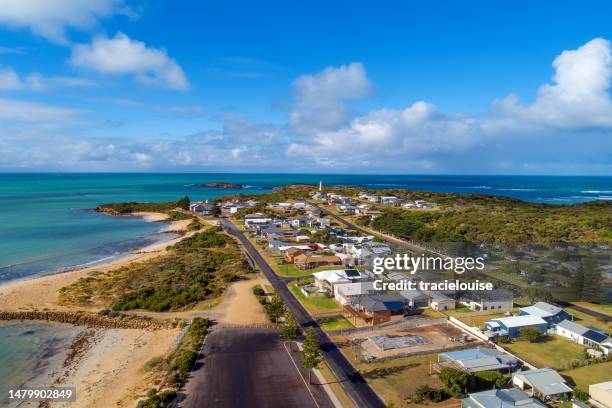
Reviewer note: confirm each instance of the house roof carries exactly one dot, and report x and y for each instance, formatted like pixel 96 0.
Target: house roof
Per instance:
pixel 414 295
pixel 501 399
pixel 380 302
pixel 520 321
pixel 336 275
pixel 586 332
pixel 605 386
pixel 573 327
pixel 545 380
pixel 490 295
pixel 354 288
pixel 481 359
pixel 542 309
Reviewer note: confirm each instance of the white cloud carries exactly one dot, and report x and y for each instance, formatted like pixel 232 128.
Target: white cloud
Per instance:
pixel 318 98
pixel 578 100
pixel 121 55
pixel 31 112
pixel 579 95
pixel 11 81
pixel 50 18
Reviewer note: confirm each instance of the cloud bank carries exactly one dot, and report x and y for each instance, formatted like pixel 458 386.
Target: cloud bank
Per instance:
pixel 51 18
pixel 565 129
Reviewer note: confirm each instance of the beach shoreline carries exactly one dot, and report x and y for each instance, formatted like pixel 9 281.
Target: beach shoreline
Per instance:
pixel 109 368
pixel 172 227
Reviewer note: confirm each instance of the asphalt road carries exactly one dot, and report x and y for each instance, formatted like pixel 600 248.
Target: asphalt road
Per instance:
pixel 248 368
pixel 354 384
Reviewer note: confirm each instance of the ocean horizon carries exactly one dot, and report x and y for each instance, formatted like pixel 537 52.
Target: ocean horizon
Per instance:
pixel 48 226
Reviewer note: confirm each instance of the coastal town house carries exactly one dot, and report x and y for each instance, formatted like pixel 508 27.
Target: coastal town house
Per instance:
pixel 511 326
pixel 582 335
pixel 373 309
pixel 544 383
pixel 479 300
pixel 552 314
pixel 500 398
pixel 304 261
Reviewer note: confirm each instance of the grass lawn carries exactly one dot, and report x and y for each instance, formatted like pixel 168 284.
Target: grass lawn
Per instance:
pixel 396 379
pixel 290 270
pixel 478 320
pixel 555 352
pixel 601 308
pixel 588 320
pixel 593 374
pixel 335 323
pixel 317 305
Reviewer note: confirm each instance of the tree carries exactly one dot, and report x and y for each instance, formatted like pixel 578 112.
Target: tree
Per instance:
pixel 454 380
pixel 531 334
pixel 275 309
pixel 184 203
pixel 593 281
pixel 290 329
pixel 311 357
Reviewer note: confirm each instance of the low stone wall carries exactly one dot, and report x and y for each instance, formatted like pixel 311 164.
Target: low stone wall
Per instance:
pixel 87 319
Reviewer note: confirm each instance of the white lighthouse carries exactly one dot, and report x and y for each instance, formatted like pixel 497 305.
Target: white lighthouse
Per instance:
pixel 321 186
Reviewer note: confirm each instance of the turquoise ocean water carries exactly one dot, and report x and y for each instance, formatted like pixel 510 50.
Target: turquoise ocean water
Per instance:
pixel 46 226
pixel 46 222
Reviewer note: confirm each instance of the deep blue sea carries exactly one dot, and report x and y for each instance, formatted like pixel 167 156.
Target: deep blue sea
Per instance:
pixel 46 222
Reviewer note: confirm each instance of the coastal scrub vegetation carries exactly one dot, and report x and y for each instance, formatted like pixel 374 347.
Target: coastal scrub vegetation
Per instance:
pixel 176 365
pixel 471 218
pixel 197 268
pixel 127 208
pixel 502 221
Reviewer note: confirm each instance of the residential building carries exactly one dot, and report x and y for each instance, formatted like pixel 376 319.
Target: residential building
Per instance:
pixel 544 383
pixel 498 299
pixel 479 359
pixel 292 252
pixel 552 314
pixel 512 325
pixel 374 309
pixel 500 398
pixel 423 299
pixel 329 279
pixel 304 261
pixel 581 335
pixel 344 292
pixel 201 207
pixel 251 220
pixel 601 394
pixel 389 200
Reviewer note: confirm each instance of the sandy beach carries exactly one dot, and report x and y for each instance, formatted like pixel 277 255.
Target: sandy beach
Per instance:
pixel 110 370
pixel 41 292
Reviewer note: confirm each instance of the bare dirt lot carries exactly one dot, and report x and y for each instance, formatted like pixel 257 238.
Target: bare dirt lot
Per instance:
pixel 421 340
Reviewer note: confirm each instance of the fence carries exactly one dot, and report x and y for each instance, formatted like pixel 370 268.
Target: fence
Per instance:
pixel 472 330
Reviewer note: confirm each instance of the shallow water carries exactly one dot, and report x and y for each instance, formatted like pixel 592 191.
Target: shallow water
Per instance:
pixel 46 222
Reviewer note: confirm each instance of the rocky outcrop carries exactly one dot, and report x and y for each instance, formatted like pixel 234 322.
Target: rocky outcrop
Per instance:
pixel 88 319
pixel 218 185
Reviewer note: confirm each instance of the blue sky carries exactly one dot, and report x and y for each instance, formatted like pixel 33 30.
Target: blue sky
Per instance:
pixel 457 87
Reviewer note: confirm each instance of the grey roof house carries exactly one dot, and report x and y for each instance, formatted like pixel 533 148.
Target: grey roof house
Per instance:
pixel 500 399
pixel 543 383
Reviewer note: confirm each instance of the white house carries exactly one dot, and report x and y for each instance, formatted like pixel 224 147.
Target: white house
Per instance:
pixel 389 200
pixel 346 291
pixel 582 335
pixel 256 219
pixel 329 279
